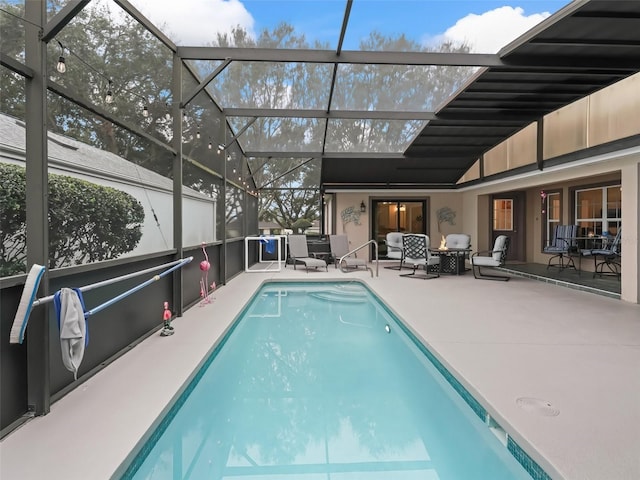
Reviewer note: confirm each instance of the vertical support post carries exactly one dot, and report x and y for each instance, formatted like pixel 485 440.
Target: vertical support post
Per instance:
pixel 37 202
pixel 323 230
pixel 540 143
pixel 223 251
pixel 176 89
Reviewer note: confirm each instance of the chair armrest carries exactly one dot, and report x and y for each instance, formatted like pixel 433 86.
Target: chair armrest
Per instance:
pixel 485 252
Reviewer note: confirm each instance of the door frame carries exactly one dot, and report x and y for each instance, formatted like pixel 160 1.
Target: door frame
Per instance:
pixel 375 201
pixel 517 236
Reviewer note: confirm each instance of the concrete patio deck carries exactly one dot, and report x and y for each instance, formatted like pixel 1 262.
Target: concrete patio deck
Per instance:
pixel 503 340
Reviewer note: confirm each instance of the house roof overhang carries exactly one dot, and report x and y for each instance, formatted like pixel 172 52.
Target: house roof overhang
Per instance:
pixel 587 46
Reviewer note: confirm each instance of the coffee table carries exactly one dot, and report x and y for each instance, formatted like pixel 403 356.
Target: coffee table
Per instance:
pixel 451 259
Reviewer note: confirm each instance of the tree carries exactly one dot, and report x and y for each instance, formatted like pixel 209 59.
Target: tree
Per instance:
pixel 87 222
pixel 301 224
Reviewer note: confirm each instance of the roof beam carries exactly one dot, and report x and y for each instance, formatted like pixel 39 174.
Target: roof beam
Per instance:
pixel 301 55
pixel 626 15
pixel 581 42
pixel 204 83
pixel 144 21
pixel 502 103
pixel 240 132
pixel 540 70
pixel 345 22
pixel 433 152
pixel 15 66
pixel 62 18
pixel 334 114
pixel 459 141
pixel 572 63
pixel 460 136
pixel 293 169
pixel 558 85
pixel 486 92
pixel 196 76
pixel 354 57
pixel 492 114
pixel 335 186
pixel 475 123
pixel 430 167
pixel 341 155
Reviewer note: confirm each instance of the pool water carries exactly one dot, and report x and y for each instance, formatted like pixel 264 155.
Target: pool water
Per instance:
pixel 318 381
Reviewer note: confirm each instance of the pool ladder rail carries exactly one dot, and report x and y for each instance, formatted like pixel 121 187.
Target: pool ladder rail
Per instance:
pixel 344 269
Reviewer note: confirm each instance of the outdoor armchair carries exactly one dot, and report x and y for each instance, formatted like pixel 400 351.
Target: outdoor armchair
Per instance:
pixel 491 259
pixel 562 245
pixel 395 248
pixel 416 254
pixel 609 256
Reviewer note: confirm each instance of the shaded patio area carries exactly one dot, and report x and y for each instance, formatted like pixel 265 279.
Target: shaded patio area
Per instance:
pixel 606 285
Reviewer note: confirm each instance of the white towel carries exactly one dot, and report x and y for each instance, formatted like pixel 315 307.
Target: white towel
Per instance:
pixel 72 330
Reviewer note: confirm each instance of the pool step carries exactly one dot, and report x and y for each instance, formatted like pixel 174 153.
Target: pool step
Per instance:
pixel 342 295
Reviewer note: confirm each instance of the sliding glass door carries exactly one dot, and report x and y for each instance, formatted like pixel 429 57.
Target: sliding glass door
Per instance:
pixel 406 216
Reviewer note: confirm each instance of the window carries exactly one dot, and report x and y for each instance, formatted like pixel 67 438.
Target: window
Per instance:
pixel 503 214
pixel 599 210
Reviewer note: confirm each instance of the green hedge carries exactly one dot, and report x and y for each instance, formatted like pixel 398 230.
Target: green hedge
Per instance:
pixel 87 222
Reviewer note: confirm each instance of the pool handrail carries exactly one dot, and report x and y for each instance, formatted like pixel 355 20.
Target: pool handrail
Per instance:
pixel 375 244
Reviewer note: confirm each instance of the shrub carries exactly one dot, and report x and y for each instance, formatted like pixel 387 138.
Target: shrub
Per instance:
pixel 87 222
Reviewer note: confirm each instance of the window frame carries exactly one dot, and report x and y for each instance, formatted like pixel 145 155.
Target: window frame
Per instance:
pixel 606 222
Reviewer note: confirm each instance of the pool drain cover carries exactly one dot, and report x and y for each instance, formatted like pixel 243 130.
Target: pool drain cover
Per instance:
pixel 538 406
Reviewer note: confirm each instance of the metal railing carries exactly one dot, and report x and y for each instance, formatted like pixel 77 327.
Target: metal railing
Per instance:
pixel 375 259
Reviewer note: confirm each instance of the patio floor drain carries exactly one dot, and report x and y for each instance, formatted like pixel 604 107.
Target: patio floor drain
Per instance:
pixel 538 406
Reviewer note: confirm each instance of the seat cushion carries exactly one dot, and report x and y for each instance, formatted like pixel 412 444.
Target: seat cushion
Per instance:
pixel 355 262
pixel 485 261
pixel 551 249
pixel 458 240
pixel 312 262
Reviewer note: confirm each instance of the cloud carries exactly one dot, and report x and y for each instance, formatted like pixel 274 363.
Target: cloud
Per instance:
pixel 490 31
pixel 196 22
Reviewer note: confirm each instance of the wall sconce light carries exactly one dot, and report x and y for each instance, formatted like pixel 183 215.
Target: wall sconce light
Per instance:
pixel 363 207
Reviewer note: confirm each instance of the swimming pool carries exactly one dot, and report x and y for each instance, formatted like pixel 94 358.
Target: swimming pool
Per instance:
pixel 318 380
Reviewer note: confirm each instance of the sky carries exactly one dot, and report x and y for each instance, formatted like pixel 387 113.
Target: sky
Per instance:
pixel 487 25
